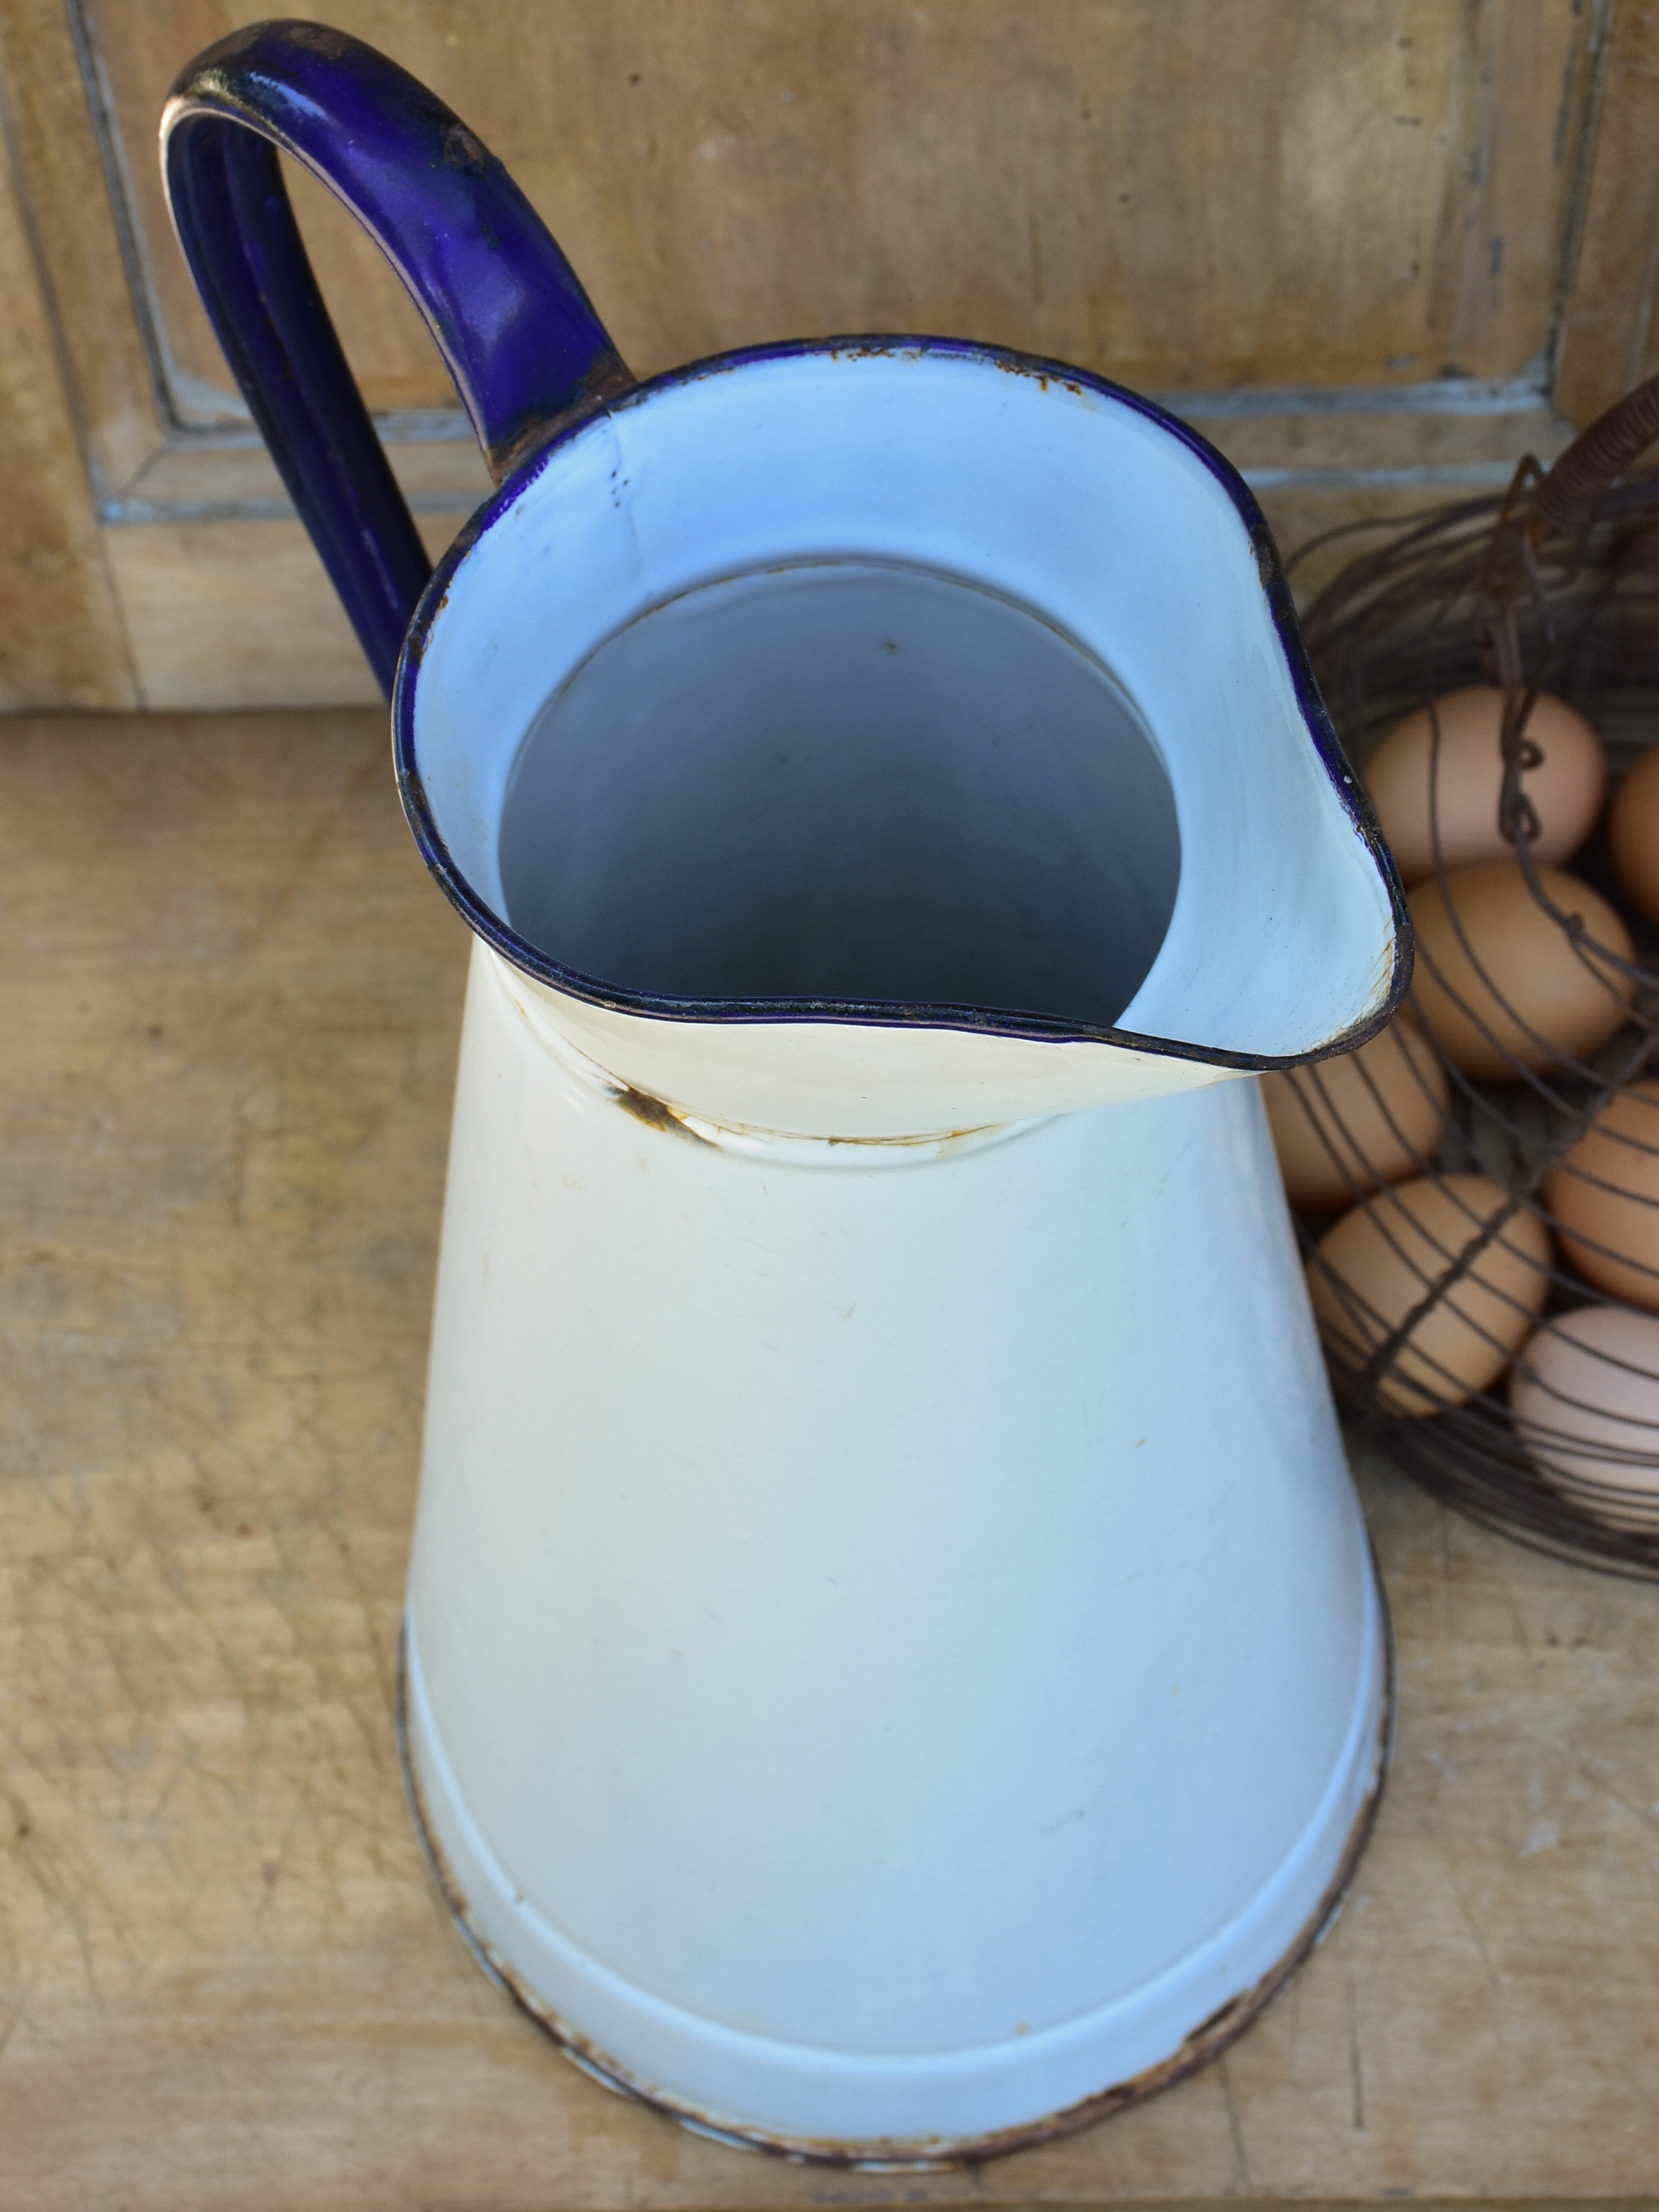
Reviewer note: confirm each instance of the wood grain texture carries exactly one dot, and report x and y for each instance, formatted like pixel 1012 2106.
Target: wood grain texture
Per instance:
pixel 236 613
pixel 1608 342
pixel 1327 192
pixel 60 634
pixel 231 1000
pixel 109 376
pixel 1525 96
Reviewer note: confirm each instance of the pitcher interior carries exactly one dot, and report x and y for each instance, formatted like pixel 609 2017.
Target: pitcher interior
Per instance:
pixel 845 779
pixel 892 674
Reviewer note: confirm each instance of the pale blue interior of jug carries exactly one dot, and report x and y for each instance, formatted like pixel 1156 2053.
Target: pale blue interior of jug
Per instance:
pixel 1093 791
pixel 849 780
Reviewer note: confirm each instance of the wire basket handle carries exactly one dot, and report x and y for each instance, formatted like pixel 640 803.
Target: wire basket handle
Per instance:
pixel 1596 459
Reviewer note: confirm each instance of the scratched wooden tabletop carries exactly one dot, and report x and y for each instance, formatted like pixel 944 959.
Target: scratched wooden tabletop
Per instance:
pixel 230 1001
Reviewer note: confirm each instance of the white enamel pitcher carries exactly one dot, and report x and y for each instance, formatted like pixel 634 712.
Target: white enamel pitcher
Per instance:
pixel 893 1664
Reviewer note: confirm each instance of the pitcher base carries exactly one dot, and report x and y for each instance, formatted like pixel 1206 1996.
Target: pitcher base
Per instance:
pixel 462 1868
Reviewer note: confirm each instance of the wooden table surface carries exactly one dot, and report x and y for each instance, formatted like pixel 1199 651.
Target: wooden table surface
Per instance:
pixel 228 1008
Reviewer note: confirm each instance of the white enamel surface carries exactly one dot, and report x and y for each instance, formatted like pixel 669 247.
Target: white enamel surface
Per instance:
pixel 1062 501
pixel 823 1079
pixel 893 1645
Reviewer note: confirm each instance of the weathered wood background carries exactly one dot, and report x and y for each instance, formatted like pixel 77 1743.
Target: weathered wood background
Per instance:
pixel 1379 247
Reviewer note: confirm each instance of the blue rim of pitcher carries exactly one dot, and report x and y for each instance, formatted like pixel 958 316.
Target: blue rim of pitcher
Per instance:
pixel 486 923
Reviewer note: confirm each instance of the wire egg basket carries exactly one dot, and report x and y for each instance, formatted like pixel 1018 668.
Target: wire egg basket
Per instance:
pixel 1454 1198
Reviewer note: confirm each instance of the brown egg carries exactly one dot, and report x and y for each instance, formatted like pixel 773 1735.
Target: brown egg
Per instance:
pixel 1585 1398
pixel 1633 834
pixel 1370 1270
pixel 1346 1125
pixel 1566 788
pixel 1604 1194
pixel 1527 997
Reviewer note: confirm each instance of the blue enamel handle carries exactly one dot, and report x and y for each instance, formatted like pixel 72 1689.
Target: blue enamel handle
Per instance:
pixel 515 329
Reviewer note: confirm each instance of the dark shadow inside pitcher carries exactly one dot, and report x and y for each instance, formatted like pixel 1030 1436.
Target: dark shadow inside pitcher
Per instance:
pixel 844 780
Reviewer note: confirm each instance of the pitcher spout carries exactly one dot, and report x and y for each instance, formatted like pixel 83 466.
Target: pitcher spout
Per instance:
pixel 956 764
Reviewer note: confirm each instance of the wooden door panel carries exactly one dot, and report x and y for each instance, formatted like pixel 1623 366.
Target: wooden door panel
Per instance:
pixel 1177 193
pixel 1353 238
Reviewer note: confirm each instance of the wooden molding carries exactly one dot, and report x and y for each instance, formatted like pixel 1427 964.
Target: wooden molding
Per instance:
pixel 226 605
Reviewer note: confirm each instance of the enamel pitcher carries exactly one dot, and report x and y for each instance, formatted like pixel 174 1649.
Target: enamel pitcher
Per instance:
pixel 893 1666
